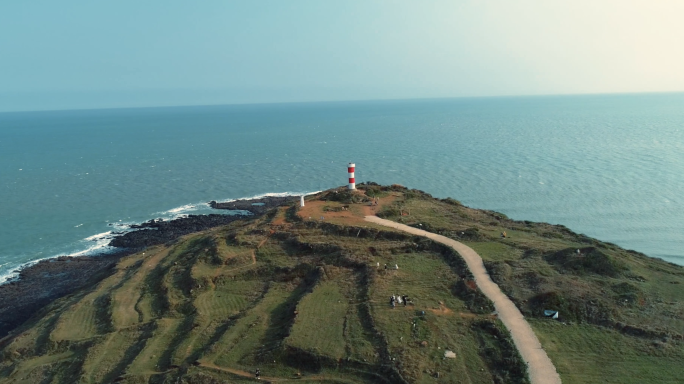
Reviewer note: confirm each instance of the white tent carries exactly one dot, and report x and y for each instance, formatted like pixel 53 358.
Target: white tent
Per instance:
pixel 551 313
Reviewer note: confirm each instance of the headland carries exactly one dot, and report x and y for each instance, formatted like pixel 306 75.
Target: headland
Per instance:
pixel 303 294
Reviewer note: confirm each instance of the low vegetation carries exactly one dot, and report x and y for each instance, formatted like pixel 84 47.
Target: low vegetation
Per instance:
pixel 306 298
pixel 621 313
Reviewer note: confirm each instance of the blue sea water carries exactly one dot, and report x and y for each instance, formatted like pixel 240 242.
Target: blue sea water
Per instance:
pixel 609 166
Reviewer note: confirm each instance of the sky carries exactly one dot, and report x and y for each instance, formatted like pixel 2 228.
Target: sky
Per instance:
pixel 95 54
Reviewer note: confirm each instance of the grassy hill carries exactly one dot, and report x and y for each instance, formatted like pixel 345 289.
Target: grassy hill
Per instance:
pixel 621 312
pixel 303 299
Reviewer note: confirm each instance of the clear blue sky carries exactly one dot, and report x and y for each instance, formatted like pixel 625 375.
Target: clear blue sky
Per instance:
pixel 93 54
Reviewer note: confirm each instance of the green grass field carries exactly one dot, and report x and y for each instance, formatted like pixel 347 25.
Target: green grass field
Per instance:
pixel 591 354
pixel 306 301
pixel 320 322
pixel 622 327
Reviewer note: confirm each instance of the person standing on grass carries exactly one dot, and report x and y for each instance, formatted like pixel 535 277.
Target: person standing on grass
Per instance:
pixel 257 374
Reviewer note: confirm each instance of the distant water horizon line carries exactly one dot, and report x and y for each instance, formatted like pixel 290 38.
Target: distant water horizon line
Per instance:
pixel 336 101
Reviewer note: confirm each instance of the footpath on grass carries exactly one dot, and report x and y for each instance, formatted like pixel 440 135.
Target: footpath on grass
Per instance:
pixel 540 368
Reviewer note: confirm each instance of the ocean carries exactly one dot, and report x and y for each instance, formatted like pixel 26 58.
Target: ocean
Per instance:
pixel 608 166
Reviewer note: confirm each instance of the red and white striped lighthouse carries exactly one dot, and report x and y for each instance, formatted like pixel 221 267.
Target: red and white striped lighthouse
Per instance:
pixel 352 182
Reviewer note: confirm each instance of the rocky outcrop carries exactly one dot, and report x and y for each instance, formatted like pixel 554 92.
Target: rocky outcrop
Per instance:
pixel 254 206
pixel 155 232
pixel 159 231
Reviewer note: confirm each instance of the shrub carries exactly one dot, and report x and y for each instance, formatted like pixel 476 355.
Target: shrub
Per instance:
pixel 451 201
pixel 569 307
pixel 590 260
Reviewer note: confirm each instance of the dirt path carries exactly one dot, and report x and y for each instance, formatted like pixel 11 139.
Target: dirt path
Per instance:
pixel 540 367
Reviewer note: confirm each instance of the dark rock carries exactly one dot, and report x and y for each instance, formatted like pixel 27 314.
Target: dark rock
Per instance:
pixel 43 282
pixel 156 232
pixel 254 206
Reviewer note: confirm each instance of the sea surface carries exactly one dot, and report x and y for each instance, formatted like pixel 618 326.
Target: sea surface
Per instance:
pixel 608 166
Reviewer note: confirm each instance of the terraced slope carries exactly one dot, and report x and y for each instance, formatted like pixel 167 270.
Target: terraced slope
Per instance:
pixel 307 300
pixel 301 300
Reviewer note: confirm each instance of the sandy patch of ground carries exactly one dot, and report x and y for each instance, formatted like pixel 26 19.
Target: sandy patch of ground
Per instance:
pixel 353 215
pixel 314 210
pixel 442 310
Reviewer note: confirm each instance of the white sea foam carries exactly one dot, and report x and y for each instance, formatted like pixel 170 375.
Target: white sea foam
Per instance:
pixel 98 236
pixel 184 209
pixel 91 245
pixel 14 274
pixel 123 225
pixel 101 245
pixel 8 277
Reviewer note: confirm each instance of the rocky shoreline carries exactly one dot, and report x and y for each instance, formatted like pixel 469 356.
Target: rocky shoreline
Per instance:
pixel 255 206
pixel 39 284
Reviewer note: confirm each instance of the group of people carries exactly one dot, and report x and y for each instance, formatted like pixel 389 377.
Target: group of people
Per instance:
pixel 397 299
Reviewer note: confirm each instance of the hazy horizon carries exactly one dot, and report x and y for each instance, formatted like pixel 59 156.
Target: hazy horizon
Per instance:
pixel 63 56
pixel 408 99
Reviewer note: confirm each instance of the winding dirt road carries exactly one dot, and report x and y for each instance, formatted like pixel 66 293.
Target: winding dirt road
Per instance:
pixel 540 368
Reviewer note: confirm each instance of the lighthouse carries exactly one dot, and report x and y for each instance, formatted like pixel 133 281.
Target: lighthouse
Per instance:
pixel 352 181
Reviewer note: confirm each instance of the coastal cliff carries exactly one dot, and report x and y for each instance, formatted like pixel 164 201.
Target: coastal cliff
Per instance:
pixel 303 293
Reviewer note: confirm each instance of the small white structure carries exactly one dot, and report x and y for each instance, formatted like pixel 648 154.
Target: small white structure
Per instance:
pixel 352 181
pixel 301 201
pixel 449 354
pixel 552 314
